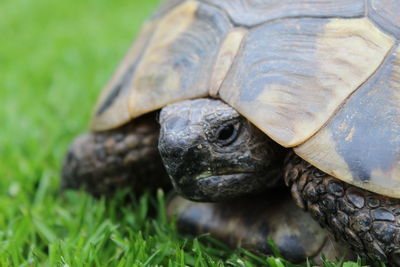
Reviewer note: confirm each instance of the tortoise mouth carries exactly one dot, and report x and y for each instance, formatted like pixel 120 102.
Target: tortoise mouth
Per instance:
pixel 215 188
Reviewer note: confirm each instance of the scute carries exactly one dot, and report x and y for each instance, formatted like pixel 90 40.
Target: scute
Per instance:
pixel 112 108
pixel 254 12
pixel 361 143
pixel 291 84
pixel 175 64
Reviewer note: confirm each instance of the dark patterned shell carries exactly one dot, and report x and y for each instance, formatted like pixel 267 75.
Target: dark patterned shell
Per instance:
pixel 322 76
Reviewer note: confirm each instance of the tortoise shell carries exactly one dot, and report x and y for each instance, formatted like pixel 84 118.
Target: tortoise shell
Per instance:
pixel 320 76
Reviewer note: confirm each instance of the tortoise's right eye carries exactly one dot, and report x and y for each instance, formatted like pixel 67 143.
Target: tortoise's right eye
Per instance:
pixel 227 134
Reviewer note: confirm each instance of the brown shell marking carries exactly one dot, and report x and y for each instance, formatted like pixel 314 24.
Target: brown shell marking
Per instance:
pixel 361 143
pixel 386 14
pixel 254 12
pixel 178 62
pixel 112 106
pixel 171 60
pixel 290 85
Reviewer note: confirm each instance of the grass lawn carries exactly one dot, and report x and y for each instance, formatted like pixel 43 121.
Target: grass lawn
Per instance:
pixel 54 58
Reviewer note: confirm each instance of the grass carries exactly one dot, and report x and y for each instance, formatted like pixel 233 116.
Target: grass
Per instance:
pixel 54 58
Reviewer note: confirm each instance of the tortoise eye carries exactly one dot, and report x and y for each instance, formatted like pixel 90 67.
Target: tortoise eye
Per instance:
pixel 227 134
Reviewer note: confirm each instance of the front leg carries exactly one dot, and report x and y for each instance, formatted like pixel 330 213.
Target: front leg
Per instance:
pixel 367 222
pixel 249 222
pixel 126 157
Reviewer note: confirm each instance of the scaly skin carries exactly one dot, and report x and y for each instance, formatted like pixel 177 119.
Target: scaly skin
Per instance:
pixel 369 223
pixel 127 157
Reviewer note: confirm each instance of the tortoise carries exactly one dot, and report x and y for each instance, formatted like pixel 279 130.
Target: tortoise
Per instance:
pixel 251 92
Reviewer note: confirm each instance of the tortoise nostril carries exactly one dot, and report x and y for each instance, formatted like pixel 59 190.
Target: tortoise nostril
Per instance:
pixel 171 153
pixel 176 154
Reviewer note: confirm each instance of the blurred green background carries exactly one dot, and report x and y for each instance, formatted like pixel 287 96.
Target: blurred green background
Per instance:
pixel 55 56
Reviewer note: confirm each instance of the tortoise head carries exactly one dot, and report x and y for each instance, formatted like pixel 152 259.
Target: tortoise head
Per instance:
pixel 212 153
